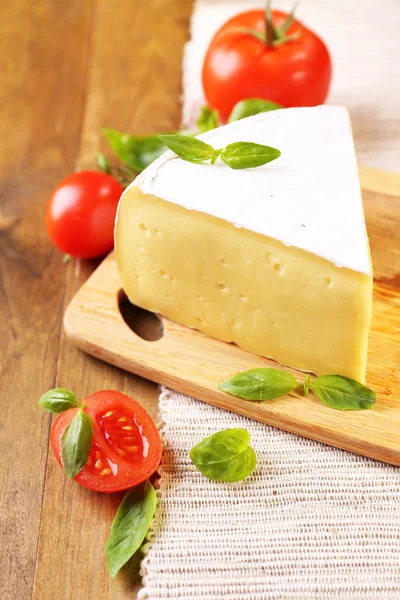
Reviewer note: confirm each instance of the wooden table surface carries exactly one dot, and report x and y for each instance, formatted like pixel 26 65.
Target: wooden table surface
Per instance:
pixel 67 70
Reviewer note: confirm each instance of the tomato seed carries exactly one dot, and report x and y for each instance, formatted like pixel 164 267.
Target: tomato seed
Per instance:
pixel 98 464
pixel 105 471
pixel 122 419
pixel 121 452
pixel 109 413
pixel 128 427
pixel 97 455
pixel 132 448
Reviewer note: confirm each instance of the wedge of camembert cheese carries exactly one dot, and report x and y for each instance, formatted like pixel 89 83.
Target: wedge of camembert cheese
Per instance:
pixel 275 259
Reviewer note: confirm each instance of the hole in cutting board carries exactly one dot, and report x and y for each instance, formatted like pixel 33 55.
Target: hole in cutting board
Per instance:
pixel 142 322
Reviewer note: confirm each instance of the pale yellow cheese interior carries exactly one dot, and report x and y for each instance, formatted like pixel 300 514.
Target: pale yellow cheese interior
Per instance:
pixel 242 287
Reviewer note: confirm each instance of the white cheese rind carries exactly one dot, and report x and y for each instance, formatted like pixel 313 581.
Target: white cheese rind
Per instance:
pixel 309 198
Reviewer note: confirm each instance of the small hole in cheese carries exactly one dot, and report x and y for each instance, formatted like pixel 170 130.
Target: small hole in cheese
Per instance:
pixel 143 227
pixel 221 286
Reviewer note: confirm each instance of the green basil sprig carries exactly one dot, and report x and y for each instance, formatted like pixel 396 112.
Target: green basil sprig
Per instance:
pixel 188 148
pixel 247 155
pixel 77 437
pixel 58 400
pixel 340 392
pixel 336 391
pixel 260 384
pixel 104 164
pixel 75 444
pixel 225 456
pixel 250 107
pixel 130 525
pixel 239 155
pixel 135 152
pixel 122 173
pixel 208 119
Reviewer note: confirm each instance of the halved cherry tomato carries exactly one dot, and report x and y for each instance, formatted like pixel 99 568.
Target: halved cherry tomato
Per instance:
pixel 81 213
pixel 296 72
pixel 126 447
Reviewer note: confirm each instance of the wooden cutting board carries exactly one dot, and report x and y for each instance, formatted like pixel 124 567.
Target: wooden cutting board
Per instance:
pixel 101 321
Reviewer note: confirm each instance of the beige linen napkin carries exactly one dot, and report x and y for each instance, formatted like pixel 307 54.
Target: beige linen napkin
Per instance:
pixel 312 522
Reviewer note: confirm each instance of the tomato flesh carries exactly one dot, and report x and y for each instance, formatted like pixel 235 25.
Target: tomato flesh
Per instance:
pixel 123 434
pixel 126 447
pixel 98 464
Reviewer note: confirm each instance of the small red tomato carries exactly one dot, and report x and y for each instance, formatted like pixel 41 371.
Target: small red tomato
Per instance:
pixel 295 70
pixel 81 213
pixel 126 446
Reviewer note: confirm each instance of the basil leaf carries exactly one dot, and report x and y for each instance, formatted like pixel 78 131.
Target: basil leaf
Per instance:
pixel 135 152
pixel 260 384
pixel 251 106
pixel 247 155
pixel 75 444
pixel 187 147
pixel 58 400
pixel 208 119
pixel 130 525
pixel 103 163
pixel 343 393
pixel 225 456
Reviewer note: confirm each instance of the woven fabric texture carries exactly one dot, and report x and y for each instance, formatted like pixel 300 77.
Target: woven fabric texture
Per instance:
pixel 311 523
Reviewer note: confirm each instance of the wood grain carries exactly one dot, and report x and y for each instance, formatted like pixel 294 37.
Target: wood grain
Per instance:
pixel 67 69
pixel 133 85
pixel 192 363
pixel 41 100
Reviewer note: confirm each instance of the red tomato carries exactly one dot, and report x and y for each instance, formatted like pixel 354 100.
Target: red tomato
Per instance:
pixel 81 213
pixel 238 66
pixel 126 447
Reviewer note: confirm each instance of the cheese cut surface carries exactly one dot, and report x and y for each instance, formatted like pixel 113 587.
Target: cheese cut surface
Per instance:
pixel 275 259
